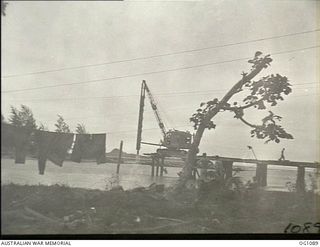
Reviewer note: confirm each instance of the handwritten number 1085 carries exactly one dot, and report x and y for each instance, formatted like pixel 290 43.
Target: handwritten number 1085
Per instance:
pixel 305 228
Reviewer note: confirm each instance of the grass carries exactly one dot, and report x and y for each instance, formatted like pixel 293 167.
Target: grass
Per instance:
pixel 59 209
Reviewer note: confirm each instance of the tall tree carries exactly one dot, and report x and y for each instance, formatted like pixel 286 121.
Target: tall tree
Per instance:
pixel 268 90
pixel 81 129
pixel 61 125
pixel 23 117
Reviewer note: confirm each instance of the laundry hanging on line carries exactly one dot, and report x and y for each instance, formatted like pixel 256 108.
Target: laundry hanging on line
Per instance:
pixel 89 146
pixel 53 146
pixel 17 138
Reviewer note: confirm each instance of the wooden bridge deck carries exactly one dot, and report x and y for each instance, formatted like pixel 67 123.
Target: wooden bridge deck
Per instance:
pixel 158 163
pixel 240 160
pixel 268 162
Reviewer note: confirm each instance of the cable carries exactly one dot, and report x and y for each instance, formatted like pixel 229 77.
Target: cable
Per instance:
pixel 136 95
pixel 175 109
pixel 160 55
pixel 121 96
pixel 152 72
pixel 172 109
pixel 129 131
pixel 180 126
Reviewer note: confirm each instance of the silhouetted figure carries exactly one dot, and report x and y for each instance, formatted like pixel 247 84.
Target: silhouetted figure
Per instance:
pixel 282 154
pixel 203 163
pixel 165 170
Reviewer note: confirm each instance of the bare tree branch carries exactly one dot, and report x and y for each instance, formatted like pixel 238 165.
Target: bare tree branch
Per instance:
pixel 247 123
pixel 235 108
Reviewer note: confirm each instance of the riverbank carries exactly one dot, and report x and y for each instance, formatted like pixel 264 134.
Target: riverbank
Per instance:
pixel 63 210
pixel 89 175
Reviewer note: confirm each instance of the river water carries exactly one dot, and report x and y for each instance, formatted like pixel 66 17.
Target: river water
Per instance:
pixel 89 175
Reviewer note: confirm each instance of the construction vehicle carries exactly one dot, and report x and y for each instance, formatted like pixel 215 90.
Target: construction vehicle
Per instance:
pixel 175 142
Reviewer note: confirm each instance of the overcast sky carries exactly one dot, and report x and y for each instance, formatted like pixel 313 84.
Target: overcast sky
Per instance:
pixel 42 36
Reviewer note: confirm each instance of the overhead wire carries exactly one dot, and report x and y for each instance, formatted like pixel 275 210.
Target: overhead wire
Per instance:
pixel 177 93
pixel 153 72
pixel 175 109
pixel 172 109
pixel 141 58
pixel 180 126
pixel 160 55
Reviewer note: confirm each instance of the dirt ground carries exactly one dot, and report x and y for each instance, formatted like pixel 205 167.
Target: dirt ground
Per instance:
pixel 64 210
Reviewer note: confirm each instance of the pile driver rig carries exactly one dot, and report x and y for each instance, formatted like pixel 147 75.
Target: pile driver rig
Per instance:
pixel 175 142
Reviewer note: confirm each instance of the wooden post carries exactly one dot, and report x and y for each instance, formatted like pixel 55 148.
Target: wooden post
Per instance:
pixel 195 173
pixel 119 157
pixel 228 165
pixel 300 184
pixel 161 171
pixel 152 167
pixel 157 166
pixel 258 174
pixel 264 175
pixel 161 168
pixel 261 174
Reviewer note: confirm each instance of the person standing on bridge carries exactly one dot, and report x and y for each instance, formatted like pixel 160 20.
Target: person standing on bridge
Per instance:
pixel 282 155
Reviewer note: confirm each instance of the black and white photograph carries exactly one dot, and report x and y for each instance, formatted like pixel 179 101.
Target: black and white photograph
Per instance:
pixel 160 118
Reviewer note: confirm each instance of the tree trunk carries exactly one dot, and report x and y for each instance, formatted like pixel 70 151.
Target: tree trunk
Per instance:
pixel 191 158
pixel 192 153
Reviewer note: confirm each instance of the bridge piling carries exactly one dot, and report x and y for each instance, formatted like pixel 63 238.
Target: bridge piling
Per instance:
pixel 157 167
pixel 261 174
pixel 152 167
pixel 228 166
pixel 300 183
pixel 162 166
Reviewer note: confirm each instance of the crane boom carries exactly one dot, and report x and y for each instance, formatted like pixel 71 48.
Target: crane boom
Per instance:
pixel 140 120
pixel 155 109
pixel 144 89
